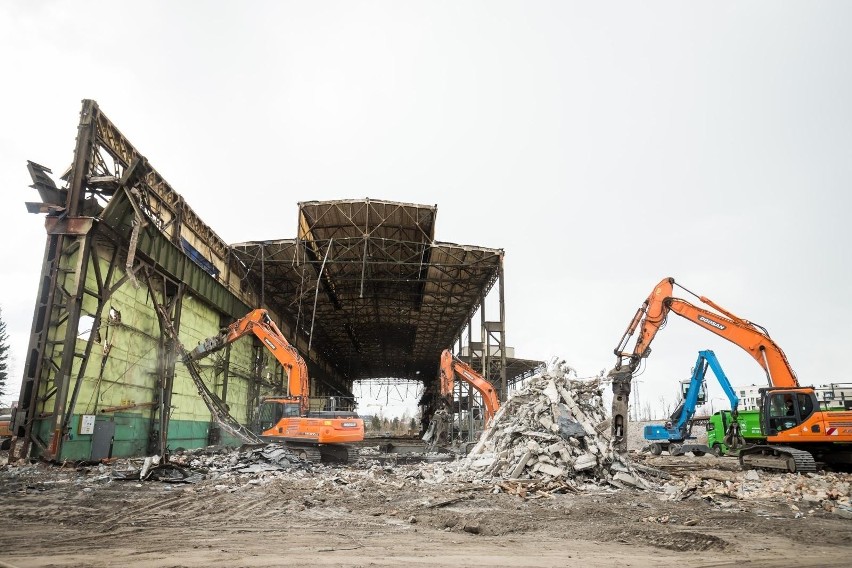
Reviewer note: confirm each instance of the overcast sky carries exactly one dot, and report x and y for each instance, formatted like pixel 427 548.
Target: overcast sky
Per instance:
pixel 602 145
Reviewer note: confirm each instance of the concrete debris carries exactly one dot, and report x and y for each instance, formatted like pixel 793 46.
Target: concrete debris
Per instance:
pixel 196 465
pixel 472 528
pixel 828 491
pixel 248 459
pixel 405 454
pixel 626 479
pixel 454 492
pixel 752 475
pixel 537 489
pixel 549 431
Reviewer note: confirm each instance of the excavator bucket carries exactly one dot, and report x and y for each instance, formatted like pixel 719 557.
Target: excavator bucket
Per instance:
pixel 438 432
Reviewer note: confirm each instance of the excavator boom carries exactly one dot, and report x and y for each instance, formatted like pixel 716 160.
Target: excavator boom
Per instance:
pixel 651 317
pixel 312 435
pixel 750 337
pixel 258 323
pixel 451 367
pixel 673 437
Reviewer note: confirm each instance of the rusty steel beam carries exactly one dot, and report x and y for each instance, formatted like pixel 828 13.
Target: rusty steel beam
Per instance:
pixel 59 246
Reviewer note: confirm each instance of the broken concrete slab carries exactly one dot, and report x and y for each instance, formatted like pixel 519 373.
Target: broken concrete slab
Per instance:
pixel 548 429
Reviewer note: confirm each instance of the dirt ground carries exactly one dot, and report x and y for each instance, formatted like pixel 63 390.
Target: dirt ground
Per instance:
pixel 61 517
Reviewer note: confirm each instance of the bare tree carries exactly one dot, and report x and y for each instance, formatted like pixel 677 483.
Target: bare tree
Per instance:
pixel 4 355
pixel 666 407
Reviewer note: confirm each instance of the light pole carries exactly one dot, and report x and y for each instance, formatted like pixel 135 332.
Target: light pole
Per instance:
pixel 712 410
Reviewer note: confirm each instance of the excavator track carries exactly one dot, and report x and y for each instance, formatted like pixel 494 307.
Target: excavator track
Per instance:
pixel 323 453
pixel 777 457
pixel 307 453
pixel 334 453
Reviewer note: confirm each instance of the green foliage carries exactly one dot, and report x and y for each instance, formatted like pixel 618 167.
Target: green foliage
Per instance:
pixel 4 355
pixel 398 426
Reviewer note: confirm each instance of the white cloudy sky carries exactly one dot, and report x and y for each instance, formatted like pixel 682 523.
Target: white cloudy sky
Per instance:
pixel 602 145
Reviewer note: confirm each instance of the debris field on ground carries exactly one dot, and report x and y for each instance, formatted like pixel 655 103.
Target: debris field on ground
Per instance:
pixel 542 470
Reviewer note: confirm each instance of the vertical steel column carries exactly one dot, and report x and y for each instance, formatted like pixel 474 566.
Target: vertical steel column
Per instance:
pixel 469 340
pixel 504 387
pixel 168 390
pixel 46 319
pixel 74 301
pixel 486 356
pixel 83 153
pixel 36 351
pixel 73 307
pixel 470 428
pixel 166 357
pixel 226 371
pixel 262 275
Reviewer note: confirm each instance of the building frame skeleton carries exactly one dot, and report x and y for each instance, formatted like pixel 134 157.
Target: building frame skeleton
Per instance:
pixel 364 291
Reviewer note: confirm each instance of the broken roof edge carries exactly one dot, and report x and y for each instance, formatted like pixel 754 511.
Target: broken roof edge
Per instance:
pixel 367 200
pixel 495 251
pixel 265 242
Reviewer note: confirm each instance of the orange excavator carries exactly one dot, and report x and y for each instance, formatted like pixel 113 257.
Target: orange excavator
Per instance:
pixel 797 432
pixel 452 368
pixel 312 435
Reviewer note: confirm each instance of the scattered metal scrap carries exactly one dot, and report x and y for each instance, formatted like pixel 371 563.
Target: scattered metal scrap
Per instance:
pixel 194 466
pixel 218 410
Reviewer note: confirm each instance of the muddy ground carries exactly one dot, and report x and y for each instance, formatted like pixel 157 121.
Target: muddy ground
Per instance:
pixel 342 516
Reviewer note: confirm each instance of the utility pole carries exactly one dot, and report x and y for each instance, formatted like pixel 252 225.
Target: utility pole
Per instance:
pixel 636 405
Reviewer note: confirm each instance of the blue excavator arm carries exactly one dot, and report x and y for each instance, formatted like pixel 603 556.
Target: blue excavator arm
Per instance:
pixel 710 357
pixel 679 430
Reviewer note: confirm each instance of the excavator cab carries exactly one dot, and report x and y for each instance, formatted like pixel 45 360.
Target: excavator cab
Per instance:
pixel 784 409
pixel 702 391
pixel 273 410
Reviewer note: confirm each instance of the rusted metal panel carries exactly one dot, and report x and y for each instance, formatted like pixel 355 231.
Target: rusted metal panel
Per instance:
pixel 74 226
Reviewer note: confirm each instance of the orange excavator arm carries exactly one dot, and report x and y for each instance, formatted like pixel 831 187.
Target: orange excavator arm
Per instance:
pixel 651 317
pixel 749 336
pixel 259 323
pixel 452 367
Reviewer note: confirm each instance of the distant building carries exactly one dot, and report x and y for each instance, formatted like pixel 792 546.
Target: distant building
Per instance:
pixel 833 395
pixel 749 396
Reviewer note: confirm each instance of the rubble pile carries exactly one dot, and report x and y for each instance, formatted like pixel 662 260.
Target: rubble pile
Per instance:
pixel 552 431
pixel 805 493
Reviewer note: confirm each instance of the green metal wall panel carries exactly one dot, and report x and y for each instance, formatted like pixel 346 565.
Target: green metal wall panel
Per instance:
pixel 131 434
pixel 128 373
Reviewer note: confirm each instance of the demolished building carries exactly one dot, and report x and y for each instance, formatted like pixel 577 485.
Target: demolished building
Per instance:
pixel 363 291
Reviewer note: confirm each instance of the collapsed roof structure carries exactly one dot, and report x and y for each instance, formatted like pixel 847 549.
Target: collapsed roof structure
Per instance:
pixel 368 284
